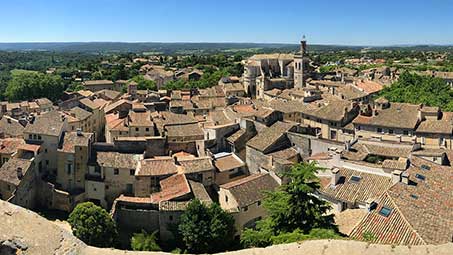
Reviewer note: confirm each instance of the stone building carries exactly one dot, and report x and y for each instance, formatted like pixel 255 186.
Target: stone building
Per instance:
pixel 243 199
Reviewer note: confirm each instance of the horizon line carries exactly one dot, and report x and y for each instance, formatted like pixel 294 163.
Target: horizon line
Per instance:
pixel 229 42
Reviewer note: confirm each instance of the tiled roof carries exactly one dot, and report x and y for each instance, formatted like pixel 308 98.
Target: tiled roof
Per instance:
pixel 195 165
pixel 112 106
pixel 118 160
pixel 88 103
pixel 228 162
pixel 157 167
pixel 269 136
pixel 140 119
pixel 285 153
pixel 436 127
pixel 170 118
pixel 400 164
pixel 421 212
pixel 199 192
pixel 236 135
pixel 10 145
pixel 369 87
pixel 368 186
pixel 80 113
pixel 172 187
pixel 8 171
pixel 97 82
pixel 50 123
pixel 250 189
pixel 173 205
pixel 398 115
pixel 113 122
pixel 184 130
pixel 109 94
pixel 71 139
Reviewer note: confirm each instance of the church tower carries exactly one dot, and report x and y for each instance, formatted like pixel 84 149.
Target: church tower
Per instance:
pixel 301 65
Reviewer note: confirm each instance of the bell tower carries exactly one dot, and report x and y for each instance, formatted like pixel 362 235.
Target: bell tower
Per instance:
pixel 301 64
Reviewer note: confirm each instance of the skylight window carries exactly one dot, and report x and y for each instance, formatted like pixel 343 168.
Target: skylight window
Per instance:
pixel 385 211
pixel 425 167
pixel 420 177
pixel 414 196
pixel 355 179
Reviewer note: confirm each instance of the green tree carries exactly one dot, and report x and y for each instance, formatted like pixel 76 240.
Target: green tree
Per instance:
pixel 416 89
pixel 204 229
pixel 93 225
pixel 144 84
pixel 28 85
pixel 292 209
pixel 144 242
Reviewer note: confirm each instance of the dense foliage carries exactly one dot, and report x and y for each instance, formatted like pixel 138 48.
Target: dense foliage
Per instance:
pixel 93 225
pixel 416 89
pixel 294 212
pixel 205 229
pixel 29 85
pixel 144 242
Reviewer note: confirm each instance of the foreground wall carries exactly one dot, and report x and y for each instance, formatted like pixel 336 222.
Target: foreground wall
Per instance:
pixel 29 233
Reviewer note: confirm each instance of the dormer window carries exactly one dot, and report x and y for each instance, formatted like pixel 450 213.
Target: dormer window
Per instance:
pixel 355 179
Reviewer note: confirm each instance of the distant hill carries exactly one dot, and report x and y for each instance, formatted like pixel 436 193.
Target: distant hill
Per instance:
pixel 167 48
pixel 192 48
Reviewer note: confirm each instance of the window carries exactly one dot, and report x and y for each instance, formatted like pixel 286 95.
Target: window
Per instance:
pixel 226 199
pixel 132 172
pixel 420 177
pixel 39 137
pixel 333 134
pixel 116 171
pixel 390 131
pixel 425 167
pixel 106 186
pixel 47 162
pixel 405 132
pixel 246 208
pixel 30 136
pixel 45 150
pixel 258 203
pixel 170 217
pixel 147 129
pixel 136 129
pixel 385 211
pixel 414 196
pixel 129 188
pixel 379 130
pixel 355 179
pixel 69 168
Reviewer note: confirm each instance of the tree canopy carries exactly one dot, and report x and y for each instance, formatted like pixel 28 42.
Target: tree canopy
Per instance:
pixel 93 225
pixel 28 85
pixel 294 212
pixel 416 89
pixel 205 229
pixel 144 242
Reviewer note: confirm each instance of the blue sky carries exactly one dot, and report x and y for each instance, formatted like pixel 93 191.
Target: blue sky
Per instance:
pixel 351 22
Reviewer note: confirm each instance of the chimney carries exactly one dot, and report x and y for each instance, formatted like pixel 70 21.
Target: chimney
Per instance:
pixel 396 176
pixel 335 177
pixel 370 204
pixel 19 173
pixel 79 132
pixel 405 178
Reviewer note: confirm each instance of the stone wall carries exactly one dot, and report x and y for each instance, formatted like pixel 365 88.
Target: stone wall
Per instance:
pixel 28 233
